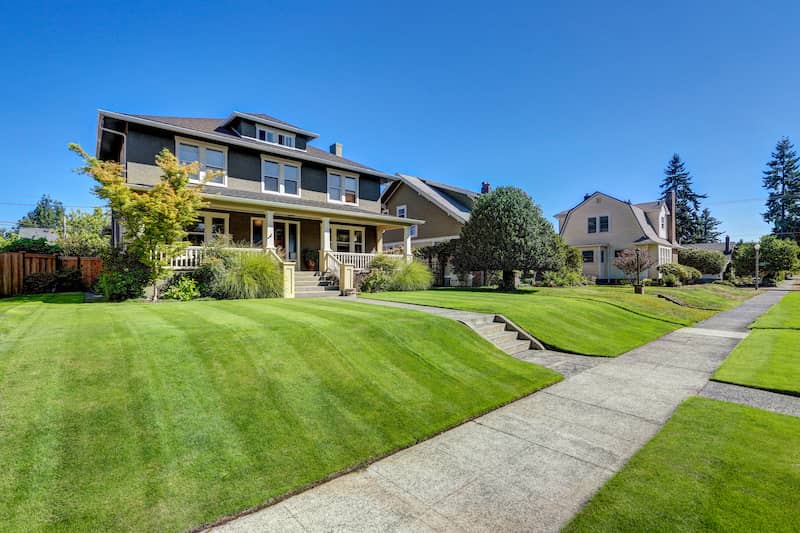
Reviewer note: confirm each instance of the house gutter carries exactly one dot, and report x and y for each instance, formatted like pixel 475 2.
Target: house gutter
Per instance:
pixel 245 144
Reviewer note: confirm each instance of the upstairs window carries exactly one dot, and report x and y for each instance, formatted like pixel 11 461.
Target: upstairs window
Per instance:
pixel 212 161
pixel 280 177
pixel 274 137
pixel 342 187
pixel 595 224
pixel 402 212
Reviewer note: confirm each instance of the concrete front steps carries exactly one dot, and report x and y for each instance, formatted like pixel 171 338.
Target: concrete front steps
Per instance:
pixel 314 285
pixel 503 333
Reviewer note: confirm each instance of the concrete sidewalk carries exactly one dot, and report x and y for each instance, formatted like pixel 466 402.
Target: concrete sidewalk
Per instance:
pixel 528 466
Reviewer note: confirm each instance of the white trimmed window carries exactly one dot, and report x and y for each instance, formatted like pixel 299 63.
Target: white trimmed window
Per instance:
pixel 281 177
pixel 342 187
pixel 212 159
pixel 275 137
pixel 598 224
pixel 402 212
pixel 207 227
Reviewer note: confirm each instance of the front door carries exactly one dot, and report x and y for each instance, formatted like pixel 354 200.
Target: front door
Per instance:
pixel 287 239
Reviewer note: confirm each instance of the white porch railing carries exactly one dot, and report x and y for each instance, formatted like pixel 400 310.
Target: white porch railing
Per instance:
pixel 359 261
pixel 192 257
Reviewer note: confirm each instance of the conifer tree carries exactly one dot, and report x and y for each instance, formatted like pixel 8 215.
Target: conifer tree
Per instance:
pixel 782 180
pixel 707 225
pixel 687 202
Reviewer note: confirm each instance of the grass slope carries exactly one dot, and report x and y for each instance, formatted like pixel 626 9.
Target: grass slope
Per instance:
pixel 769 358
pixel 593 320
pixel 715 466
pixel 163 417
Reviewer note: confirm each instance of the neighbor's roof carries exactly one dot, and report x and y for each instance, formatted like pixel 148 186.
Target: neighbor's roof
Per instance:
pixel 440 195
pixel 217 129
pixel 713 246
pixel 649 233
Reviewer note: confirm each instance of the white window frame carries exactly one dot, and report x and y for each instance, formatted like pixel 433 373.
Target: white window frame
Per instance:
pixel 412 230
pixel 609 224
pixel 281 180
pixel 276 133
pixel 352 230
pixel 207 216
pixel 201 154
pixel 343 175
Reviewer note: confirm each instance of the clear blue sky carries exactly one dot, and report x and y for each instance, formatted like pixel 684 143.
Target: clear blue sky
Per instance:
pixel 557 98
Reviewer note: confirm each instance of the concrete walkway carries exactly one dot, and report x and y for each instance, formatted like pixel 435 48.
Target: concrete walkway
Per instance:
pixel 528 466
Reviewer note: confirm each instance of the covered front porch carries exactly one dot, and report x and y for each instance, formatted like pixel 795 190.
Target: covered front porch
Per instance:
pixel 308 240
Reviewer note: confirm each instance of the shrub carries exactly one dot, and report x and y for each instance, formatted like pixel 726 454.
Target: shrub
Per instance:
pixel 69 280
pixel 683 273
pixel 671 280
pixel 36 246
pixel 411 276
pixel 123 276
pixel 39 282
pixel 563 278
pixel 385 263
pixel 182 288
pixel 375 280
pixel 247 275
pixel 727 283
pixel 706 261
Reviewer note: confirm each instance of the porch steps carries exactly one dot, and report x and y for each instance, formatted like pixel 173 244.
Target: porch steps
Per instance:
pixel 503 334
pixel 314 285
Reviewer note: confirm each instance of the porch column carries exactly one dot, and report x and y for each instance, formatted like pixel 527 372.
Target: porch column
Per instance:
pixel 325 243
pixel 270 229
pixel 379 239
pixel 407 241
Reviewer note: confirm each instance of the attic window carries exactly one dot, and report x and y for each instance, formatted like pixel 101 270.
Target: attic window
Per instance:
pixel 274 137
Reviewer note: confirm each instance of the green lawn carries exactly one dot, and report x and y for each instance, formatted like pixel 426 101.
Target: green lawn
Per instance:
pixel 163 417
pixel 769 358
pixel 592 320
pixel 715 466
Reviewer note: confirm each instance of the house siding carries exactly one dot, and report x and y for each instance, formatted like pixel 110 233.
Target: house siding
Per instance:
pixel 438 224
pixel 244 167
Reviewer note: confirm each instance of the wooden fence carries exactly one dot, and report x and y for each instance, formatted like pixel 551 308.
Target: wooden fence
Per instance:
pixel 14 266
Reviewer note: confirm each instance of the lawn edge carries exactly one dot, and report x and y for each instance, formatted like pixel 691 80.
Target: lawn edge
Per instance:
pixel 784 392
pixel 363 464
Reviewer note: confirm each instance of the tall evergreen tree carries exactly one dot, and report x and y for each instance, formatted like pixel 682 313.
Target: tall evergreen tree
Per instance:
pixel 48 213
pixel 687 202
pixel 782 180
pixel 707 225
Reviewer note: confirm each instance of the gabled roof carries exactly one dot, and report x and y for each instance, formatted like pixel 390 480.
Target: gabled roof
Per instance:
pixel 649 234
pixel 216 129
pixel 439 194
pixel 653 206
pixel 271 121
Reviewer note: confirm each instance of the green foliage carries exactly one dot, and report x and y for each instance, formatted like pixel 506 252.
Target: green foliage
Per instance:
pixel 573 259
pixel 242 275
pixel 85 233
pixel 48 213
pixel 36 246
pixel 386 263
pixel 184 288
pixel 782 181
pixel 123 276
pixel 671 280
pixel 507 231
pixel 376 280
pixel 706 261
pixel 707 227
pixel 411 276
pixel 683 273
pixel 687 202
pixel 776 255
pixel 563 278
pixel 155 220
pixel 39 282
pixel 6 237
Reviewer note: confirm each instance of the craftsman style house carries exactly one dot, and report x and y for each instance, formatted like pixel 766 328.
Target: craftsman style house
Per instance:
pixel 271 190
pixel 601 226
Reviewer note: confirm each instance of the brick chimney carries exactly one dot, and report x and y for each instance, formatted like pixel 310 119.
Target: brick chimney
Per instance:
pixel 485 187
pixel 673 235
pixel 727 244
pixel 336 149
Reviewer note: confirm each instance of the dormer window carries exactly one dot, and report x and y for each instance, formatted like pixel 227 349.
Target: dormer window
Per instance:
pixel 275 137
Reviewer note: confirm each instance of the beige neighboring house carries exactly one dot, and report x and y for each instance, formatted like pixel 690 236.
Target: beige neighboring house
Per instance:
pixel 601 226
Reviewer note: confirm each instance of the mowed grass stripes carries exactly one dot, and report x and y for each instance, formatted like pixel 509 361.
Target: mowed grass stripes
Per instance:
pixel 164 417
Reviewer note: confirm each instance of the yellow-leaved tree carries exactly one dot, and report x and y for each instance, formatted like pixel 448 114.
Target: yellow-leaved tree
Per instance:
pixel 154 219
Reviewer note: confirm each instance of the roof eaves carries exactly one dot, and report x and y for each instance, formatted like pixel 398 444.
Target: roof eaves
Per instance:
pixel 274 123
pixel 425 190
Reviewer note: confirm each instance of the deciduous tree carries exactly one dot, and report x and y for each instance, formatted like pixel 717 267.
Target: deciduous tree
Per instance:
pixel 632 266
pixel 85 233
pixel 155 219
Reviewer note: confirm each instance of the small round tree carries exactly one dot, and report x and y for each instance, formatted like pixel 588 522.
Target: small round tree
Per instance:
pixel 507 231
